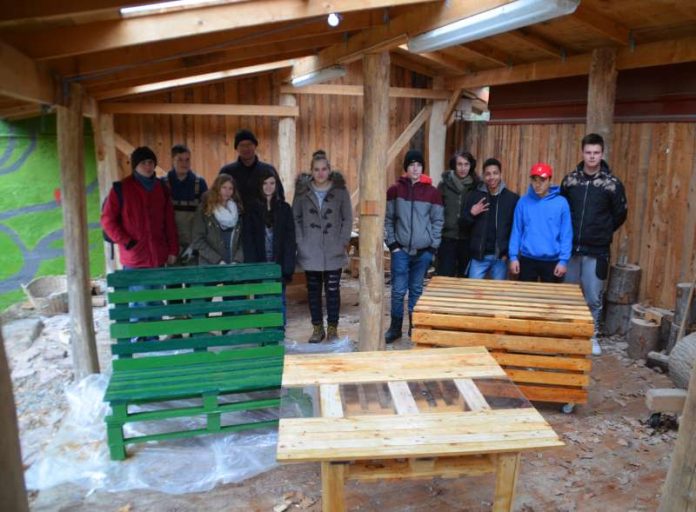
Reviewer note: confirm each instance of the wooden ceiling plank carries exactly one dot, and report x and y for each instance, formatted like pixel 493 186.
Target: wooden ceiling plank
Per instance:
pixel 24 79
pixel 602 24
pixel 443 60
pixel 645 55
pixel 407 62
pixel 415 21
pixel 489 53
pixel 203 109
pixel 537 42
pixel 81 39
pixel 39 12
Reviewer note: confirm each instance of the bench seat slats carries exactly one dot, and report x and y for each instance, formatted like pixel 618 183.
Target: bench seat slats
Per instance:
pixel 194 292
pixel 200 307
pixel 203 274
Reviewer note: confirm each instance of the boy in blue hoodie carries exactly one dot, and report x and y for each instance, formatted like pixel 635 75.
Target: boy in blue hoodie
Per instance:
pixel 542 233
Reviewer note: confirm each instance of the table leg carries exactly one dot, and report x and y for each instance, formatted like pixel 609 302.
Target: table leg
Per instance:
pixel 332 490
pixel 507 467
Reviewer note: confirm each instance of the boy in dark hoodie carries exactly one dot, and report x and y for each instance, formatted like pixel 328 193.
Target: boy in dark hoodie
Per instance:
pixel 542 234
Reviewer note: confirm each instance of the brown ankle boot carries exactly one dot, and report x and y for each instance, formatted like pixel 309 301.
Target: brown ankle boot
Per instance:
pixel 332 332
pixel 317 334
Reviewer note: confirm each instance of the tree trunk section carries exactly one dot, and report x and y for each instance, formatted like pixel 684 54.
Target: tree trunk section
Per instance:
pixel 624 283
pixel 616 319
pixel 72 175
pixel 601 93
pixel 679 492
pixel 681 361
pixel 643 337
pixel 672 339
pixel 682 309
pixel 13 495
pixel 373 199
pixel 287 144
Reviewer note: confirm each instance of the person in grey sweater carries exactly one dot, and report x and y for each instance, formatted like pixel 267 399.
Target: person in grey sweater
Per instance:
pixel 323 223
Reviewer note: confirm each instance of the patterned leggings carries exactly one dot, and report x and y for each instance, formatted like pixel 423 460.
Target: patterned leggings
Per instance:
pixel 331 281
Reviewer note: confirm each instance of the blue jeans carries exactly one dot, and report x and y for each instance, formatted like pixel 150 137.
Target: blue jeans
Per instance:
pixel 496 266
pixel 407 274
pixel 582 270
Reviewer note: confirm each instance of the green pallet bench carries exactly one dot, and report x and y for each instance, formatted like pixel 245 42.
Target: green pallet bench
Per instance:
pixel 225 324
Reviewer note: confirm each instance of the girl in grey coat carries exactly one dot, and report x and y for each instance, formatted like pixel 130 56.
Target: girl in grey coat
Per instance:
pixel 217 225
pixel 323 223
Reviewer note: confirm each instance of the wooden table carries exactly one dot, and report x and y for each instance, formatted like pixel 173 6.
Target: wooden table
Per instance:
pixel 407 414
pixel 538 332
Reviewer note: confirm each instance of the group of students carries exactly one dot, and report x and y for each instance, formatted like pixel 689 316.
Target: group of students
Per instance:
pixel 479 228
pixel 474 225
pixel 242 217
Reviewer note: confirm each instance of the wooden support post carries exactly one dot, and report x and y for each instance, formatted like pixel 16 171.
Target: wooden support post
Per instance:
pixel 72 175
pixel 332 487
pixel 437 138
pixel 679 492
pixel 107 172
pixel 601 93
pixel 507 468
pixel 287 148
pixel 373 199
pixel 13 495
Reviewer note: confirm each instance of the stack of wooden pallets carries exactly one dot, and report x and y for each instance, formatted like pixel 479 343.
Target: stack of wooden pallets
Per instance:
pixel 538 332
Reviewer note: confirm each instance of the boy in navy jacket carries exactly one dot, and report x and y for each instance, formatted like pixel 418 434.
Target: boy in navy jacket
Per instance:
pixel 542 232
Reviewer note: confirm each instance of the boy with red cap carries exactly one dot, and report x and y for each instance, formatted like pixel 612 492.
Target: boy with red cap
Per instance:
pixel 542 233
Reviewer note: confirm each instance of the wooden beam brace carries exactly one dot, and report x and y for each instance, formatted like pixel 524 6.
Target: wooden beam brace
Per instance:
pixel 408 133
pixel 644 55
pixel 201 109
pixel 105 35
pixel 127 148
pixel 358 90
pixel 414 21
pixel 193 80
pixel 451 105
pixel 24 79
pixel 602 24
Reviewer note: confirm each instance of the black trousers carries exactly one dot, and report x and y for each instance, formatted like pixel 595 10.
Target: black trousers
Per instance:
pixel 453 257
pixel 330 281
pixel 535 270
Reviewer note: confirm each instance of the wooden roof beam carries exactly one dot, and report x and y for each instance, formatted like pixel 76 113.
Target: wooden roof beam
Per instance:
pixel 602 24
pixel 537 42
pixel 24 79
pixel 415 21
pixel 407 61
pixel 442 60
pixel 40 12
pixel 105 35
pixel 202 109
pixel 489 53
pixel 645 55
pixel 359 90
pixel 193 80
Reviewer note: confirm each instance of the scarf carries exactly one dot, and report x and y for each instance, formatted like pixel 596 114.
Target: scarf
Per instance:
pixel 227 215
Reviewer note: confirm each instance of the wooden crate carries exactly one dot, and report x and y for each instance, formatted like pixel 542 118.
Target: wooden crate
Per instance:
pixel 538 332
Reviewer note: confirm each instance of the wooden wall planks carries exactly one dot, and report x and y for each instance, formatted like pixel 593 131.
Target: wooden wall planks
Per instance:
pixel 655 161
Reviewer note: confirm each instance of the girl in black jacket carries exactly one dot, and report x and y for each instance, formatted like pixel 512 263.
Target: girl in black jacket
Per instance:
pixel 269 229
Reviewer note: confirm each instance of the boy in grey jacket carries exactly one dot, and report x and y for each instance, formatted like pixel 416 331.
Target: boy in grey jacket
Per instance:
pixel 413 230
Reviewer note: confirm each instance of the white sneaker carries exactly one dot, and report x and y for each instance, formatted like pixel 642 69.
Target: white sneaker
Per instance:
pixel 596 349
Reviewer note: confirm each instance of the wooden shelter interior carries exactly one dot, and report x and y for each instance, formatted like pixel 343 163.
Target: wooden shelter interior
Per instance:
pixel 196 74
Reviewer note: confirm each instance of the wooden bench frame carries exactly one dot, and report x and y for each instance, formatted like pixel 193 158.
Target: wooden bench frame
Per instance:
pixel 243 302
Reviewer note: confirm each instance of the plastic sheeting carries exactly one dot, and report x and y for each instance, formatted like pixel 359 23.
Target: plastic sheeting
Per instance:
pixel 79 452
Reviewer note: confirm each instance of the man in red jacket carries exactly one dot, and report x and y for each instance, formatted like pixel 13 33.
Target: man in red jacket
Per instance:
pixel 139 217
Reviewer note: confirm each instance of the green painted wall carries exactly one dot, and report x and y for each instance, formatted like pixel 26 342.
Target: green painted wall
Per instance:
pixel 31 221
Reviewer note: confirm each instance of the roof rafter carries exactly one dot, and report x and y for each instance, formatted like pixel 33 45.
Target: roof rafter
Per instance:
pixel 24 79
pixel 538 42
pixel 489 53
pixel 39 12
pixel 105 35
pixel 602 24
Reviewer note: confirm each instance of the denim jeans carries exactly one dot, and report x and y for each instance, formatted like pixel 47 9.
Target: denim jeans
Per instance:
pixel 496 266
pixel 582 270
pixel 330 281
pixel 407 274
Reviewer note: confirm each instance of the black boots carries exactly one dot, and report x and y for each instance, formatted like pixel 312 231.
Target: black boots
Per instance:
pixel 394 332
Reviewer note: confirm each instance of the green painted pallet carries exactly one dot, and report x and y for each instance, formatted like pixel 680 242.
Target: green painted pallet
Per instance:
pixel 207 334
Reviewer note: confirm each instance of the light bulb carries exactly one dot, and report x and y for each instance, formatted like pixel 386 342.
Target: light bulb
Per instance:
pixel 333 20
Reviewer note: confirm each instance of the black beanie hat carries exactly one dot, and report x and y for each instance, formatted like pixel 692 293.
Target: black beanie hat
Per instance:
pixel 244 135
pixel 140 154
pixel 413 155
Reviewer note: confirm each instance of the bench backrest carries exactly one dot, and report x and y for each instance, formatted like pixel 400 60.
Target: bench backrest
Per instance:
pixel 223 306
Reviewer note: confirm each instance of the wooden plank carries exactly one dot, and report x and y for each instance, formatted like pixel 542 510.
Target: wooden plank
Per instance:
pixel 507 470
pixel 560 395
pixel 444 467
pixel 578 364
pixel 332 488
pixel 202 274
pixel 330 401
pixel 200 109
pixel 471 395
pixel 484 310
pixel 358 90
pixel 603 24
pixel 24 79
pixel 479 323
pixel 553 378
pixel 402 398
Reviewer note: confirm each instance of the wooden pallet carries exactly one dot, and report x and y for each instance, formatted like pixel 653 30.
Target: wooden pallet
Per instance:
pixel 415 414
pixel 538 332
pixel 237 308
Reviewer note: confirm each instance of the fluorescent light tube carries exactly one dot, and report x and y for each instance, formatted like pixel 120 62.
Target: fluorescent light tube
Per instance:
pixel 514 15
pixel 316 77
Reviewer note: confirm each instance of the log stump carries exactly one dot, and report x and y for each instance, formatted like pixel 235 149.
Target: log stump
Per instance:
pixel 681 361
pixel 680 307
pixel 624 283
pixel 616 318
pixel 638 311
pixel 665 328
pixel 672 337
pixel 643 337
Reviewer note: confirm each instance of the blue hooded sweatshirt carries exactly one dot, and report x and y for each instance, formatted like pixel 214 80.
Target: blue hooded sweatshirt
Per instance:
pixel 542 228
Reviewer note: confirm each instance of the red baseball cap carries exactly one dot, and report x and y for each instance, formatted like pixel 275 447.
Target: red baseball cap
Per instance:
pixel 541 169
